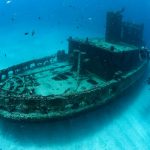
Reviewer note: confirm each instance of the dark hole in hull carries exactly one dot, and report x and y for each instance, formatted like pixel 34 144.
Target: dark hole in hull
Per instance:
pixel 60 77
pixel 93 82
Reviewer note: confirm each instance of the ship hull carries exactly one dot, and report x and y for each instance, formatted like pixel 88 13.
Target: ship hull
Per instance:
pixel 58 107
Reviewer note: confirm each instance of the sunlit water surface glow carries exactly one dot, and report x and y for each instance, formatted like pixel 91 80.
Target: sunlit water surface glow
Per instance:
pixel 121 124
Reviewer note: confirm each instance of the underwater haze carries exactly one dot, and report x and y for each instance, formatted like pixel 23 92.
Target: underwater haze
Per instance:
pixel 52 22
pixel 35 28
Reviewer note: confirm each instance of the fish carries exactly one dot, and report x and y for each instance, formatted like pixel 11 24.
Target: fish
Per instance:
pixel 26 33
pixel 90 18
pixel 12 19
pixel 33 33
pixel 8 2
pixel 71 6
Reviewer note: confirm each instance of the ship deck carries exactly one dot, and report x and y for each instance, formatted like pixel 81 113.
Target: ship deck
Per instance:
pixel 59 79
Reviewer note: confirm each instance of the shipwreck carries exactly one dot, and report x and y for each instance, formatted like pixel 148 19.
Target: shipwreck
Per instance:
pixel 92 72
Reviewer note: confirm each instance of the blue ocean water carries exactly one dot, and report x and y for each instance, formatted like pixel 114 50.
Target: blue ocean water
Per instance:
pixel 123 124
